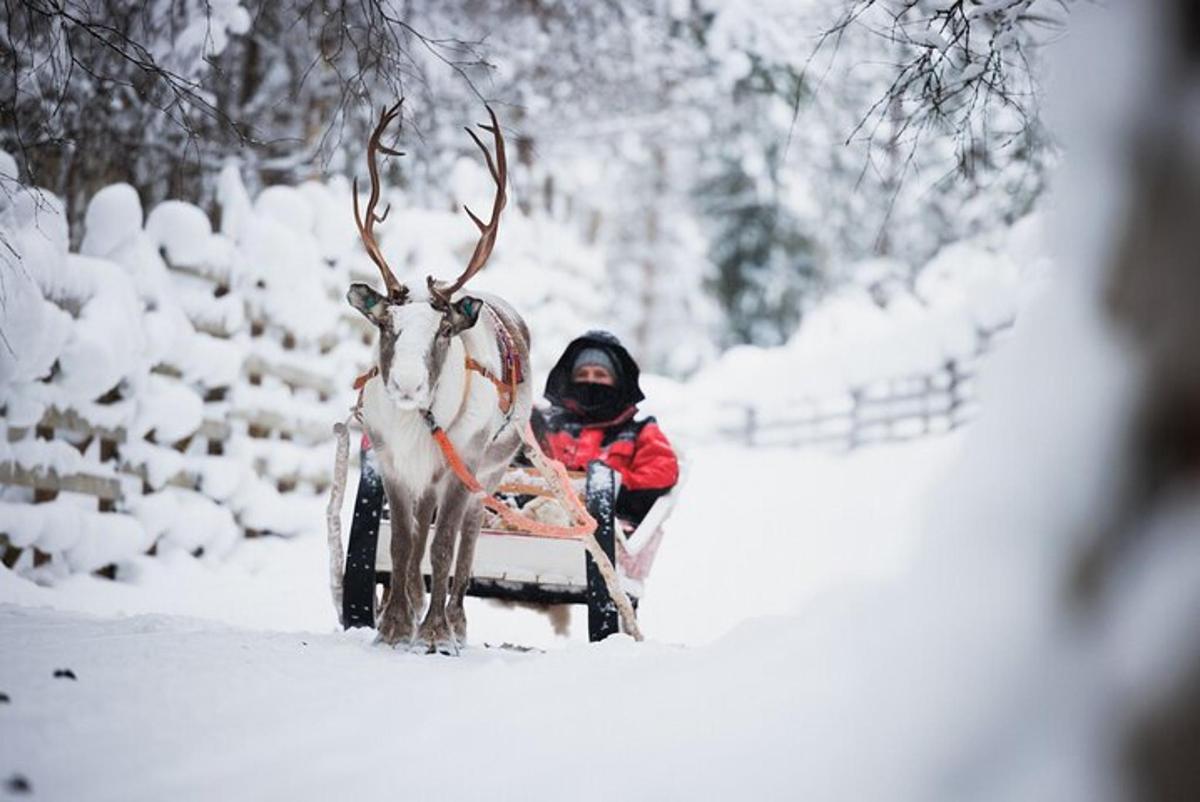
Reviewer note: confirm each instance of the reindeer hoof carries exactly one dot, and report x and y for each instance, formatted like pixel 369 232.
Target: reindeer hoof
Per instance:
pixel 400 645
pixel 436 640
pixel 394 634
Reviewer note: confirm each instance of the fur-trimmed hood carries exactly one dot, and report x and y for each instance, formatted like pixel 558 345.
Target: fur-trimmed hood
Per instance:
pixel 559 380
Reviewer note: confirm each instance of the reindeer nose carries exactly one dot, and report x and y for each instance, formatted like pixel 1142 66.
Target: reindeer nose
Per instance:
pixel 406 393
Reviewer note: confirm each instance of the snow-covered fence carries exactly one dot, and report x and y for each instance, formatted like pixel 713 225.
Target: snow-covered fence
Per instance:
pixel 884 410
pixel 893 409
pixel 892 362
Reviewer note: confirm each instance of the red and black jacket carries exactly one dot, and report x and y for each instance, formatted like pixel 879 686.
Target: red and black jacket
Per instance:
pixel 637 449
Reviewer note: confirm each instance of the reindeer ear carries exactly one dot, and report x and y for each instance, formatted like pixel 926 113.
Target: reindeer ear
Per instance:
pixel 371 304
pixel 464 313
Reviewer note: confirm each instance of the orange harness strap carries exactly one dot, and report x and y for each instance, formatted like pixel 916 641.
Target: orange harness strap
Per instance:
pixel 586 525
pixel 362 380
pixel 506 391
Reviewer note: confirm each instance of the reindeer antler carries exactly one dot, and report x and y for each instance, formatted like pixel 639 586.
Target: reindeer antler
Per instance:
pixel 366 224
pixel 487 231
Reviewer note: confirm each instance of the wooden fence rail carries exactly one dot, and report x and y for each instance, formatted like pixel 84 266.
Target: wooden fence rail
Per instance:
pixel 893 409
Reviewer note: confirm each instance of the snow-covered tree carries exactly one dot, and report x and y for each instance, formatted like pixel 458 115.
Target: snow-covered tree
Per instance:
pixel 727 162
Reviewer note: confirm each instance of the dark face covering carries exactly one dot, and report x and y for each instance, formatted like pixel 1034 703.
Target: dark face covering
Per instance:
pixel 595 402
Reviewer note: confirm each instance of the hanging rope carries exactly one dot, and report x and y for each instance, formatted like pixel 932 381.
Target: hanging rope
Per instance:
pixel 333 511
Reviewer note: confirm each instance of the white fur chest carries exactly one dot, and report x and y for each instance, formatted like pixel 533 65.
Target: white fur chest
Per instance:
pixel 406 450
pixel 464 403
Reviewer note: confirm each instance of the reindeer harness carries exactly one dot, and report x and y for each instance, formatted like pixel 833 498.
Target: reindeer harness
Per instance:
pixel 505 384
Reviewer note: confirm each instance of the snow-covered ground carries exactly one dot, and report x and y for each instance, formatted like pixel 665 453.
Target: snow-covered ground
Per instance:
pixel 204 680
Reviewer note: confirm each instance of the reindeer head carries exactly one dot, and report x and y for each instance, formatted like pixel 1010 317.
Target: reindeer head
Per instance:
pixel 415 333
pixel 414 336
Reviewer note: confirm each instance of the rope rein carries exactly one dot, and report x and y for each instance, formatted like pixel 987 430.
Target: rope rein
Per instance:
pixel 333 512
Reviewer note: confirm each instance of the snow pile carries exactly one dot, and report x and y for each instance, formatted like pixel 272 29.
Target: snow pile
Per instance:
pixel 35 254
pixel 85 539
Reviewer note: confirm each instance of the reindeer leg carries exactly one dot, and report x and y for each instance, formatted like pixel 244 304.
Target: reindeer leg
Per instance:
pixel 496 460
pixel 396 621
pixel 435 634
pixel 462 572
pixel 416 582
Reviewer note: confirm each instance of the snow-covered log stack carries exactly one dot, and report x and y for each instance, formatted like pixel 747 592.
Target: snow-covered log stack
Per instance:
pixel 168 388
pixel 97 386
pixel 169 442
pixel 300 345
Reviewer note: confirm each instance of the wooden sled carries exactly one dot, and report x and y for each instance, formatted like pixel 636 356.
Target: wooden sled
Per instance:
pixel 512 564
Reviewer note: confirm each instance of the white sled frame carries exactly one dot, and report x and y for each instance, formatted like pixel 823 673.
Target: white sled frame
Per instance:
pixel 510 560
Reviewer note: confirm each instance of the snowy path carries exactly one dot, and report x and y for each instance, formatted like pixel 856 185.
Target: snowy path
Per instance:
pixel 167 708
pixel 231 682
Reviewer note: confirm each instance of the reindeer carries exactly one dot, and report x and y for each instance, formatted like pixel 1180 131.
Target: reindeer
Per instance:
pixel 431 347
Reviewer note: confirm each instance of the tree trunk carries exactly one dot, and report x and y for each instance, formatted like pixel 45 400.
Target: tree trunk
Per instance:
pixel 1153 294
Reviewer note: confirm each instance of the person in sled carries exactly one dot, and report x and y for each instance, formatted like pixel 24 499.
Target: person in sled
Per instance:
pixel 593 391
